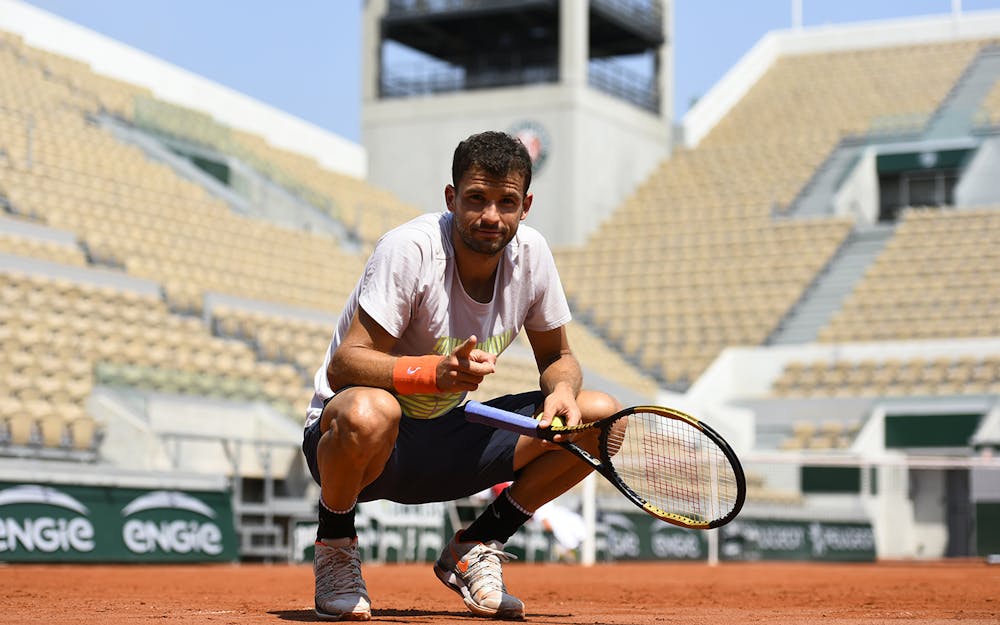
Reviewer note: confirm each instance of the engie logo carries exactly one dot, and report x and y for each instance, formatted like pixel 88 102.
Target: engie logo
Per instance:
pixel 623 540
pixel 671 542
pixel 164 521
pixel 49 521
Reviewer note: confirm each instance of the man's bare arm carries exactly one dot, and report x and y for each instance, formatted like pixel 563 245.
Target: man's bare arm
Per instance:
pixel 560 376
pixel 364 358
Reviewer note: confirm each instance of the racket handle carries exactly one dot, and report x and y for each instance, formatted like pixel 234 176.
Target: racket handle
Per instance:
pixel 501 419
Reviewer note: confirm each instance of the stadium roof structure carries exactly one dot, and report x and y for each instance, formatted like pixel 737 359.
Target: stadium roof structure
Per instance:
pixel 451 32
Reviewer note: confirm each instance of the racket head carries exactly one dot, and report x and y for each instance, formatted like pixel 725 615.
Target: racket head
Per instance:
pixel 673 466
pixel 668 463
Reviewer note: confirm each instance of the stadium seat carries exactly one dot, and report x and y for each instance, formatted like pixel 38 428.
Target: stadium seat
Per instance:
pixel 21 429
pixel 52 428
pixel 83 433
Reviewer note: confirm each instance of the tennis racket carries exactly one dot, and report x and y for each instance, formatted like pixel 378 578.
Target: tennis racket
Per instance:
pixel 670 464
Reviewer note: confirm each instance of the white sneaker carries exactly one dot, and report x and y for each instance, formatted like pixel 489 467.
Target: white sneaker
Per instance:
pixel 341 594
pixel 474 571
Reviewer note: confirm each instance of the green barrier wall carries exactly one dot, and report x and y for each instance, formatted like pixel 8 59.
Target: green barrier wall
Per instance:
pixel 987 527
pixel 69 523
pixel 620 537
pixel 753 539
pixel 637 537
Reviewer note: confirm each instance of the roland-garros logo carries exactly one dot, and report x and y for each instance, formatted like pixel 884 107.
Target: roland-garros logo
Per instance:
pixel 173 528
pixel 55 522
pixel 536 139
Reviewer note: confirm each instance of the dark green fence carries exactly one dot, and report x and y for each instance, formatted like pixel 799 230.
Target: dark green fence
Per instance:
pixel 71 523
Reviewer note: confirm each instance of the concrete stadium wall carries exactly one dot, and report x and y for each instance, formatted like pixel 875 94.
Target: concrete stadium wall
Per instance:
pixel 978 185
pixel 29 230
pixel 84 275
pixel 608 145
pixel 858 195
pixel 599 147
pixel 748 372
pixel 152 431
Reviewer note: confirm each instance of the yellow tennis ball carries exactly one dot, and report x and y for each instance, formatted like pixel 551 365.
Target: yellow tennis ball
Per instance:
pixel 557 422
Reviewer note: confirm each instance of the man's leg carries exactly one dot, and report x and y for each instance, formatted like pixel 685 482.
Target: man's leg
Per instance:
pixel 471 563
pixel 359 427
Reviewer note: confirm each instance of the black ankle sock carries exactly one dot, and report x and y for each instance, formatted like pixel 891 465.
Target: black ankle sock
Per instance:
pixel 335 524
pixel 498 521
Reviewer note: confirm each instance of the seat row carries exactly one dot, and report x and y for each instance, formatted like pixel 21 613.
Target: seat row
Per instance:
pixel 912 290
pixel 915 376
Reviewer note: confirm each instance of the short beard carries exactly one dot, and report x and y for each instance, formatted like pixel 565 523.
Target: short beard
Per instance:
pixel 481 247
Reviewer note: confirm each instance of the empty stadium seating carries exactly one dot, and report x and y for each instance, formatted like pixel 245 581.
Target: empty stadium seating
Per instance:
pixel 277 338
pixel 824 436
pixel 116 209
pixel 694 260
pixel 132 213
pixel 939 276
pixel 19 245
pixel 890 377
pixel 60 337
pixel 366 211
pixel 700 257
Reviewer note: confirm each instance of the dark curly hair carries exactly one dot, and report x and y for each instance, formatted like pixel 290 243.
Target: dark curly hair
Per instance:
pixel 496 153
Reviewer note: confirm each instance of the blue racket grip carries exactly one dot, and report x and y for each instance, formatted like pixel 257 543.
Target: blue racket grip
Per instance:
pixel 501 419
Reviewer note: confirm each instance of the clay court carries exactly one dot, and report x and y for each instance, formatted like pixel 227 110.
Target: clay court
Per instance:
pixel 640 594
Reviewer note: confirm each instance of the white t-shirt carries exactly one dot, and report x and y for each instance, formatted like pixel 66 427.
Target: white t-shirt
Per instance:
pixel 412 289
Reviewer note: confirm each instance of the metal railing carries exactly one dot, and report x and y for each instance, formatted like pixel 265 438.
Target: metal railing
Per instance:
pixel 611 77
pixel 469 73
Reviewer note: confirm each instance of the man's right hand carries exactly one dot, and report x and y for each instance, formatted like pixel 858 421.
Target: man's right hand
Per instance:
pixel 465 368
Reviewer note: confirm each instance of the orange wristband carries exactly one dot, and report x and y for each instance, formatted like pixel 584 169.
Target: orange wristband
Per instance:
pixel 415 374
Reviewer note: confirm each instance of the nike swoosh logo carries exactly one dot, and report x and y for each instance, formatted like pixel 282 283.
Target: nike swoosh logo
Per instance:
pixel 412 370
pixel 461 565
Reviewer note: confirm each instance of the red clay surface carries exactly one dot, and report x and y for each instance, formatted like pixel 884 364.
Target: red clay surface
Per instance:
pixel 640 594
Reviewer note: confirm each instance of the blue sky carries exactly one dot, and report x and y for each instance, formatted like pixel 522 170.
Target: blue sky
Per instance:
pixel 302 56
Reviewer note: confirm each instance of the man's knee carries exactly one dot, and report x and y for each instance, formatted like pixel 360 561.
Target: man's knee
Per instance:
pixel 365 414
pixel 596 405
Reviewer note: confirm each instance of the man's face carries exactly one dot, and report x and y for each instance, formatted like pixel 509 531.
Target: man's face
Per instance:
pixel 487 209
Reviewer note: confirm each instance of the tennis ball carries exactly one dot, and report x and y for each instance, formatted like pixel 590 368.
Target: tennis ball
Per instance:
pixel 557 422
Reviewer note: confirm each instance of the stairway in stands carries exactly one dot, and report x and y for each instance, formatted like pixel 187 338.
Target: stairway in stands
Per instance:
pixel 957 115
pixel 825 296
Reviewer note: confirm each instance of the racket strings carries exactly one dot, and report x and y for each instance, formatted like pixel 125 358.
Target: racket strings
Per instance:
pixel 673 466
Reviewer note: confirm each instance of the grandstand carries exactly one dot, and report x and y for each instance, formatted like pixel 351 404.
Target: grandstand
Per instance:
pixel 814 271
pixel 142 255
pixel 726 273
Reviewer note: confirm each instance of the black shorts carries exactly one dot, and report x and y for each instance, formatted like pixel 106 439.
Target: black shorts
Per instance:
pixel 441 459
